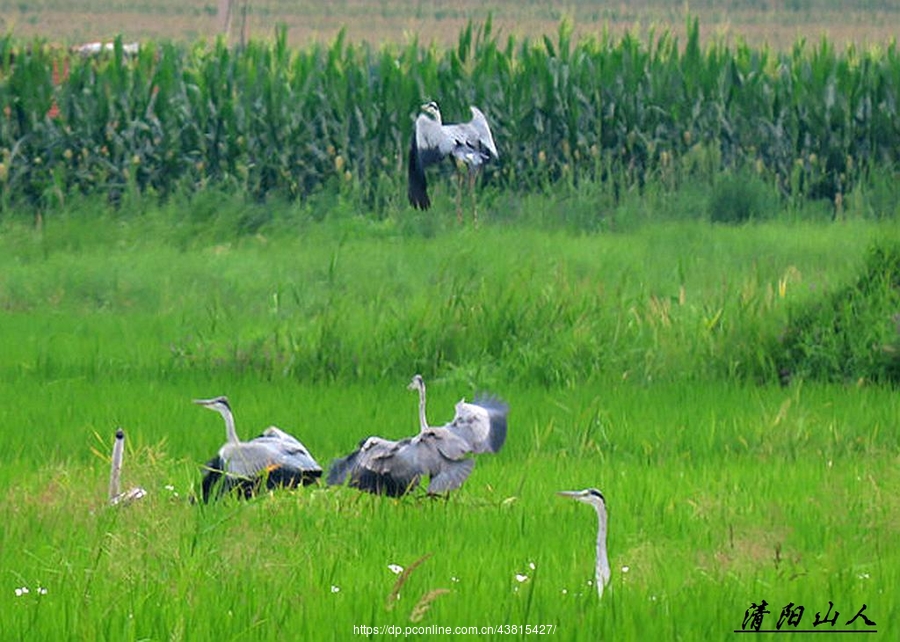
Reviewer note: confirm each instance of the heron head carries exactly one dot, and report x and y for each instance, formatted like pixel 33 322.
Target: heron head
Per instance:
pixel 432 110
pixel 590 496
pixel 219 404
pixel 417 383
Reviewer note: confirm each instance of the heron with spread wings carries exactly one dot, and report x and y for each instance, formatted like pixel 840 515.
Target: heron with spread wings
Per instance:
pixel 443 454
pixel 470 144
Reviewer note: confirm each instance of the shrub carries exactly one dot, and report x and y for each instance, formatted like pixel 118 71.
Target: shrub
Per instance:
pixel 855 333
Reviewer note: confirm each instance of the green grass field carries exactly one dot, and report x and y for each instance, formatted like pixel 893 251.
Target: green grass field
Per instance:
pixel 640 347
pixel 623 358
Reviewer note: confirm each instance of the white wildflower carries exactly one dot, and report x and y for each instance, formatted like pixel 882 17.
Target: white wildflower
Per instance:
pixel 396 569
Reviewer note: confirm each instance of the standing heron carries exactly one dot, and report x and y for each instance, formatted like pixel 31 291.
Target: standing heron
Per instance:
pixel 441 453
pixel 595 498
pixel 274 459
pixel 469 143
pixel 118 453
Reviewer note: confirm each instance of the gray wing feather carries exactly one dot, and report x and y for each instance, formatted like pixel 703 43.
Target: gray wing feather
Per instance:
pixel 428 146
pixel 375 467
pixel 482 131
pixel 433 141
pixel 481 424
pixel 253 457
pixel 451 476
pixel 449 445
pixel 395 467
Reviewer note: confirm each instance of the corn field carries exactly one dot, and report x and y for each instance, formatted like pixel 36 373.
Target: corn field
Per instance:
pixel 271 121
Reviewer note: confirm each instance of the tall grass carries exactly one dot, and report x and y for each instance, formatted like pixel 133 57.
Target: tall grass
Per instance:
pixel 268 120
pixel 678 300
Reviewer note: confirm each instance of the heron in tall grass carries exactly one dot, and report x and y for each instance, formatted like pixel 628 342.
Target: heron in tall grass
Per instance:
pixel 443 454
pixel 118 453
pixel 272 460
pixel 481 424
pixel 470 144
pixel 595 498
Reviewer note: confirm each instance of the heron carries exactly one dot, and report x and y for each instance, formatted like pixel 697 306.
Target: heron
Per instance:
pixel 441 453
pixel 418 383
pixel 274 459
pixel 118 453
pixel 482 423
pixel 468 143
pixel 595 498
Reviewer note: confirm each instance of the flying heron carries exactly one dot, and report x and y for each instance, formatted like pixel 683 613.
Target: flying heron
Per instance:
pixel 274 459
pixel 468 143
pixel 118 453
pixel 595 498
pixel 441 453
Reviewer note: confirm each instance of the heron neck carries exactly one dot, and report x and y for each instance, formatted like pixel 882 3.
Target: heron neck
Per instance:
pixel 116 470
pixel 230 432
pixel 423 422
pixel 603 570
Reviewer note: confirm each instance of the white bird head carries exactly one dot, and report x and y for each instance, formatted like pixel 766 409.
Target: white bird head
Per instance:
pixel 590 496
pixel 417 383
pixel 432 110
pixel 219 404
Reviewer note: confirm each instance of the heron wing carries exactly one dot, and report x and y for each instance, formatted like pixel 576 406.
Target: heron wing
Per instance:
pixel 375 467
pixel 481 424
pixel 451 476
pixel 482 131
pixel 416 185
pixel 433 141
pixel 289 450
pixel 440 441
pixel 252 459
pixel 213 472
pixel 429 145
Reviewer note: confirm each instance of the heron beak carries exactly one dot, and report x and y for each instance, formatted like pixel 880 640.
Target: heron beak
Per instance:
pixel 574 494
pixel 202 402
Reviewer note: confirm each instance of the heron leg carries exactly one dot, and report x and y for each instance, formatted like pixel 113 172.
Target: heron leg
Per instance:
pixel 459 216
pixel 473 197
